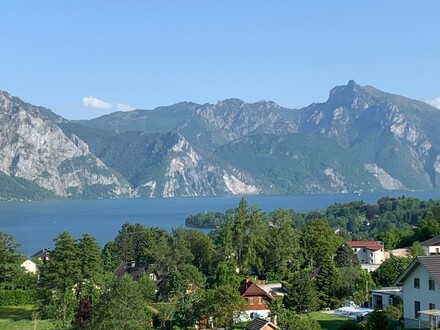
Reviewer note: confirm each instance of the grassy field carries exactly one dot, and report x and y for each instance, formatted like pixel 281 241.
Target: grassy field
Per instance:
pixel 329 321
pixel 20 318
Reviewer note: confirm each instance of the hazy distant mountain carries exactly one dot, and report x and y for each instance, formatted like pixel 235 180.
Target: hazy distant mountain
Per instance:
pixel 360 139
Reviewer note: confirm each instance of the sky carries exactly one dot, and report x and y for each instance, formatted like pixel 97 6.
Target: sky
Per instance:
pixel 85 58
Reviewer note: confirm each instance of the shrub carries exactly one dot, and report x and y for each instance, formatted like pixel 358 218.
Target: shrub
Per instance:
pixel 17 297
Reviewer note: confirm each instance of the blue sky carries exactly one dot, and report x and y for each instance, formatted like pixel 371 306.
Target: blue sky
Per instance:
pixel 83 59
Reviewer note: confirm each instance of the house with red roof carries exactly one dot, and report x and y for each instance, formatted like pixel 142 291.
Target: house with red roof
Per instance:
pixel 370 254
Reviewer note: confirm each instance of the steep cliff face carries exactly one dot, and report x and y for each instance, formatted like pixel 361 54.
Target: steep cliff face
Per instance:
pixel 188 174
pixel 383 131
pixel 34 148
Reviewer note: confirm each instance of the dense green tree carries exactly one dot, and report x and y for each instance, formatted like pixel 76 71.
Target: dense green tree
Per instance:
pixel 328 283
pixel 222 304
pixel 158 250
pixel 255 242
pixel 180 251
pixel 319 241
pixel 302 296
pixel 429 226
pixel 110 257
pixel 389 270
pixel 363 285
pixel 131 242
pixel 416 249
pixel 10 260
pixel 223 238
pixel 122 307
pixel 62 271
pixel 282 246
pixel 345 257
pixel 180 281
pixel 239 231
pixel 59 281
pixel 90 266
pixel 226 276
pixel 201 248
pixel 147 288
pixel 189 310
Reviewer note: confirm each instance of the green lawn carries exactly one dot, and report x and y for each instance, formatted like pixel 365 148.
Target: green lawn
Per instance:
pixel 329 321
pixel 20 318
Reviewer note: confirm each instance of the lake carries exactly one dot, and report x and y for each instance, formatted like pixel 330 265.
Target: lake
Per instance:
pixel 35 224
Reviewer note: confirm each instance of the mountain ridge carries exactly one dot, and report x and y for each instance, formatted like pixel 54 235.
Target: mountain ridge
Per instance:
pixel 360 139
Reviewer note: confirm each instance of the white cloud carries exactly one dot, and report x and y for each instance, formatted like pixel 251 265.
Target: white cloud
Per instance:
pixel 123 107
pixel 435 102
pixel 93 102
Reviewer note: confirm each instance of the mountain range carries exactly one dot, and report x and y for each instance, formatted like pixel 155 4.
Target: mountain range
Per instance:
pixel 360 140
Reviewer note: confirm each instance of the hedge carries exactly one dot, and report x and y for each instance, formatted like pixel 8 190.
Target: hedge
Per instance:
pixel 17 297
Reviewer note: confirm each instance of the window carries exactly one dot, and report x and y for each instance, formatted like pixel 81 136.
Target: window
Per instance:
pixel 431 284
pixel 416 282
pixel 251 301
pixel 260 301
pixel 431 306
pixel 416 309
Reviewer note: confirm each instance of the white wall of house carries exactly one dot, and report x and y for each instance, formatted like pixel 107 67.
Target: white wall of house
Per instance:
pixel 30 266
pixel 431 250
pixel 422 294
pixel 366 256
pixel 248 315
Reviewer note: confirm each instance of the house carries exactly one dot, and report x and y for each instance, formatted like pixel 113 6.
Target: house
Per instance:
pixel 431 246
pixel 42 255
pixel 370 254
pixel 420 283
pixel 386 296
pixel 260 324
pixel 135 269
pixel 30 266
pixel 257 300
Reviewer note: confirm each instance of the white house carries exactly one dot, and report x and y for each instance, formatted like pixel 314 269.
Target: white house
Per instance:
pixel 420 283
pixel 431 246
pixel 370 254
pixel 385 296
pixel 30 266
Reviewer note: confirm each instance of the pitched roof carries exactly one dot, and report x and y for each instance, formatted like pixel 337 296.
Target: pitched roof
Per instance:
pixel 431 241
pixel 258 324
pixel 45 252
pixel 430 263
pixel 134 269
pixel 255 290
pixel 370 245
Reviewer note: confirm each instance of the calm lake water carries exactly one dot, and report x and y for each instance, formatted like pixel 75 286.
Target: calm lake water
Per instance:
pixel 35 224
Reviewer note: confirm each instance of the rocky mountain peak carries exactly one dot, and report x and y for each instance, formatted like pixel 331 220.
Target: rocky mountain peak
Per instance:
pixel 345 94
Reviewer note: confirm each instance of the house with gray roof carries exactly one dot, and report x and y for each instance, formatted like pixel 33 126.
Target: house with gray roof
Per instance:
pixel 431 246
pixel 420 283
